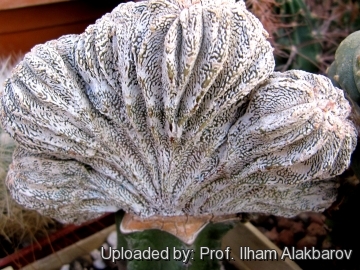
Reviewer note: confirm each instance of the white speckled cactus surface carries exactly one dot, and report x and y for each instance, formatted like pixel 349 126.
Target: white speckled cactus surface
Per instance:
pixel 172 108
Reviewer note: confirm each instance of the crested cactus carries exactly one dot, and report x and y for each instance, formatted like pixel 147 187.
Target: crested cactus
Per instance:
pixel 179 128
pixel 170 110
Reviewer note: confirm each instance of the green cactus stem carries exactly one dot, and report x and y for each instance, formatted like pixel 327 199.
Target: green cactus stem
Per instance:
pixel 345 70
pixel 160 241
pixel 299 40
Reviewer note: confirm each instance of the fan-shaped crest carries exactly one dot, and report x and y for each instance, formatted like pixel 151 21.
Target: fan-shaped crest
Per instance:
pixel 167 108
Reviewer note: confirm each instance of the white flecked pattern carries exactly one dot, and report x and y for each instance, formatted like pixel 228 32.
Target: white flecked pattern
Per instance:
pixel 167 108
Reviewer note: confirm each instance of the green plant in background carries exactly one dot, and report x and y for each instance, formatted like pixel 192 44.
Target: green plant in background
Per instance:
pixel 344 73
pixel 345 70
pixel 306 33
pixel 300 39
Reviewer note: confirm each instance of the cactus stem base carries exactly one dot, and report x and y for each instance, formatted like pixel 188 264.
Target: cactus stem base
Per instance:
pixel 156 248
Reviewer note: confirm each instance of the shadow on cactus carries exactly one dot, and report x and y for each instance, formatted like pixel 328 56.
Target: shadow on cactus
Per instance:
pixel 171 111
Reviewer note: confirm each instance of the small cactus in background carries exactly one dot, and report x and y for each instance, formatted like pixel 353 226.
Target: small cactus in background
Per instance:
pixel 306 33
pixel 345 70
pixel 299 38
pixel 344 73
